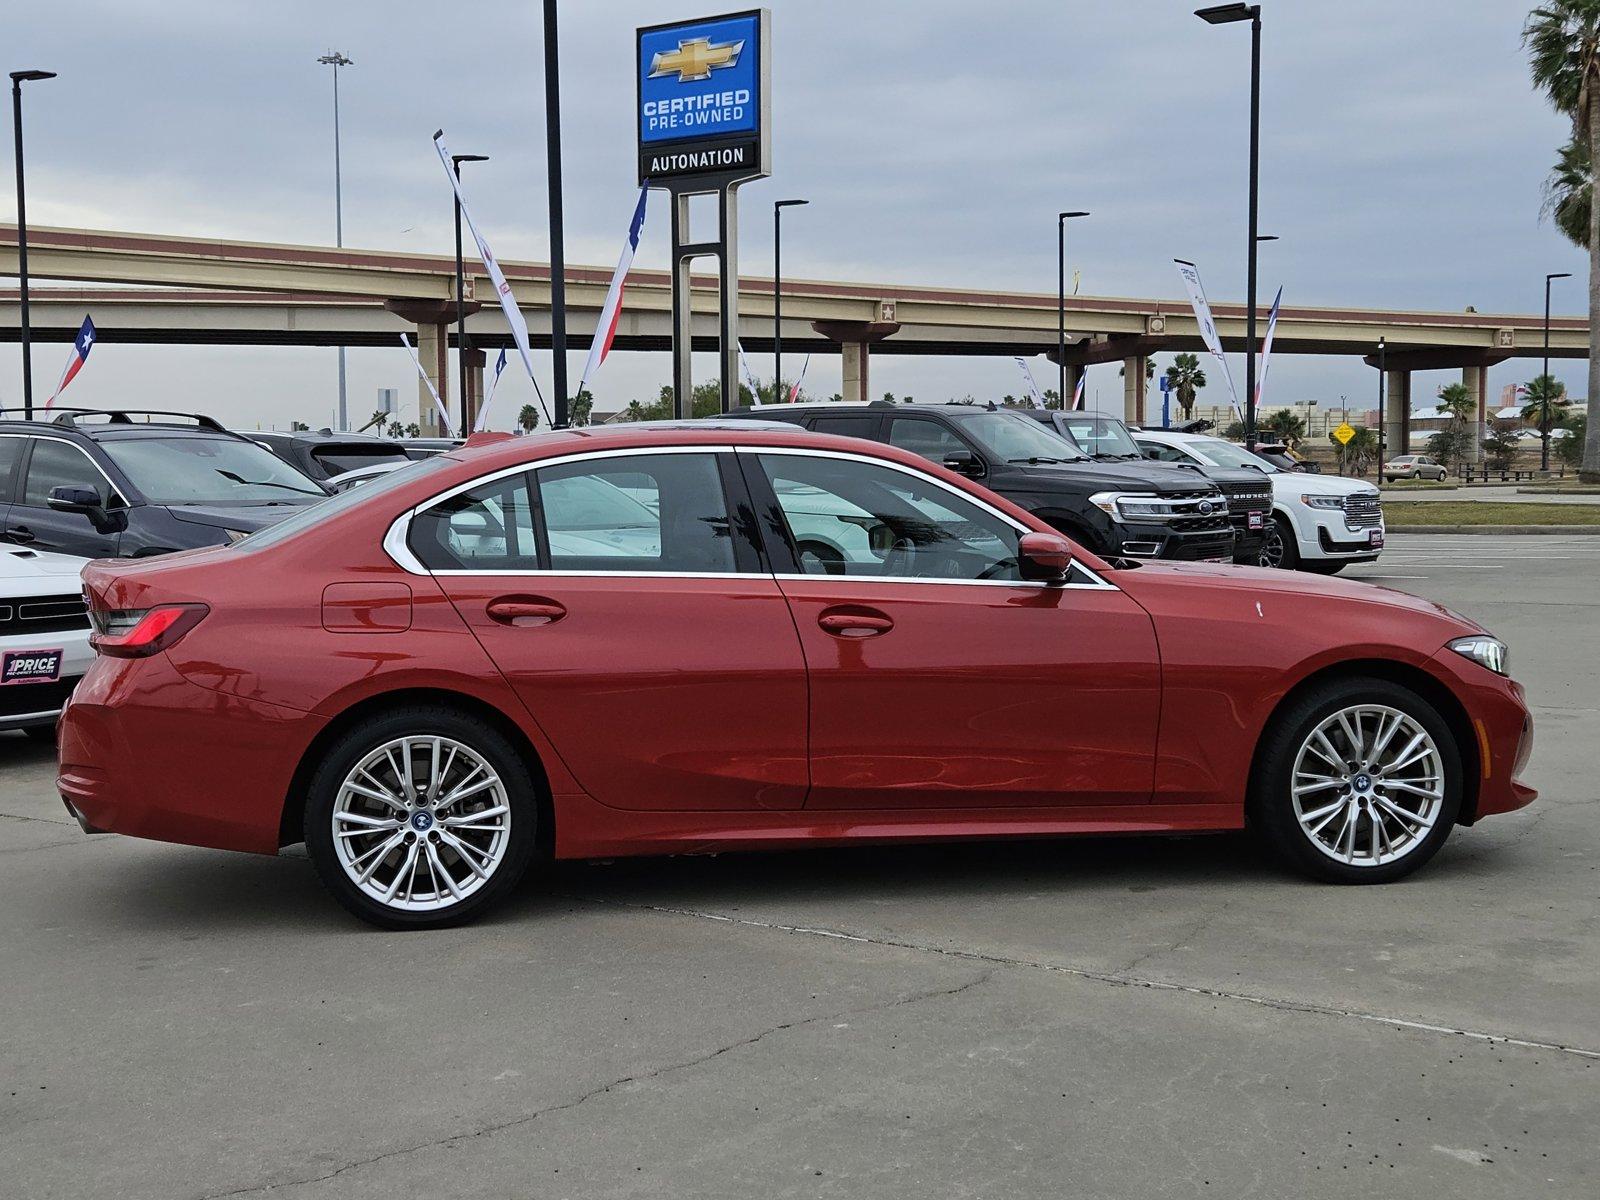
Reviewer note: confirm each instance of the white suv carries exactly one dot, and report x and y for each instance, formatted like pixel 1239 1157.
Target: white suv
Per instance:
pixel 1319 522
pixel 44 637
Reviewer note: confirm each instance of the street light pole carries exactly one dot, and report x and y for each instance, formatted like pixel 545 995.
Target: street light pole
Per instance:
pixel 1383 375
pixel 17 80
pixel 558 258
pixel 336 60
pixel 1226 14
pixel 777 294
pixel 1544 378
pixel 461 301
pixel 1061 304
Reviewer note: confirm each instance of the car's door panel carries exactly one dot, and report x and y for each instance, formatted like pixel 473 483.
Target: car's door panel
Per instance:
pixel 662 665
pixel 959 693
pixel 31 522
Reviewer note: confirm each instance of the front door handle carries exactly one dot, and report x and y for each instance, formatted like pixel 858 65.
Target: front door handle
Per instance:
pixel 855 622
pixel 525 610
pixel 20 534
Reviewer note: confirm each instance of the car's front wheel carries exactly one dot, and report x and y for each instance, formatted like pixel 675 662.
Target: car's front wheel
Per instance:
pixel 1278 548
pixel 421 817
pixel 1359 781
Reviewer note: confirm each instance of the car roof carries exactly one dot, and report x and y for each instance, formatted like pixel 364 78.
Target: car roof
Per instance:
pixel 118 424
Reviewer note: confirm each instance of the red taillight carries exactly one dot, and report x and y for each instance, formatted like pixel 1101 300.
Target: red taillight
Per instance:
pixel 139 633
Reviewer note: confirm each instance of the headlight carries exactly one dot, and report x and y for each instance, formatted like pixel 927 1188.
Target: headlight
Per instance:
pixel 1322 501
pixel 1138 506
pixel 1487 651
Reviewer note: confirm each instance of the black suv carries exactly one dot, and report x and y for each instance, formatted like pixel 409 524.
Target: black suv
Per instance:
pixel 99 484
pixel 1106 439
pixel 324 454
pixel 1124 509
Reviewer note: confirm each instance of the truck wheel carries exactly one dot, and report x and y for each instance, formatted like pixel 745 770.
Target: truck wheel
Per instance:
pixel 1279 548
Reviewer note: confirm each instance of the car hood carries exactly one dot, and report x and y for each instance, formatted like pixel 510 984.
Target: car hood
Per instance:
pixel 247 518
pixel 1300 483
pixel 1266 585
pixel 20 563
pixel 1116 477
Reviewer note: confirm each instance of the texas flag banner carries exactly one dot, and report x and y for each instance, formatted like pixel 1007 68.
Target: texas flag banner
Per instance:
pixel 606 331
pixel 81 346
pixel 1266 347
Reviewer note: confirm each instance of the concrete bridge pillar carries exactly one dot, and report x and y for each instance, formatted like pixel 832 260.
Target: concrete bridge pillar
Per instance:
pixel 1397 415
pixel 1133 389
pixel 432 342
pixel 855 340
pixel 1476 380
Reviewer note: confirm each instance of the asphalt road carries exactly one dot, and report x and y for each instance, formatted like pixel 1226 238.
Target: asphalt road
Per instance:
pixel 1098 1018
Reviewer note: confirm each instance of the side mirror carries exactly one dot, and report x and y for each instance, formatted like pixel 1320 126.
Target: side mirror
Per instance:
pixel 86 502
pixel 1046 557
pixel 963 462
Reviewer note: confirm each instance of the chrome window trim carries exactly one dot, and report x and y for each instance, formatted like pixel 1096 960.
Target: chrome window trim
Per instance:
pixel 394 540
pixel 116 492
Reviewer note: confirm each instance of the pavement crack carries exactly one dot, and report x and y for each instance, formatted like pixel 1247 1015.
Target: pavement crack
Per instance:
pixel 611 1086
pixel 1120 978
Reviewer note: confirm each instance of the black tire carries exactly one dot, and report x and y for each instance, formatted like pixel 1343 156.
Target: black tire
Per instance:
pixel 1322 566
pixel 45 735
pixel 1270 809
pixel 1279 548
pixel 423 720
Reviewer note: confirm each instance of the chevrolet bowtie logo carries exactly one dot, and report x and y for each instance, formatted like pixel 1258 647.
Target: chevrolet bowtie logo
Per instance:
pixel 694 59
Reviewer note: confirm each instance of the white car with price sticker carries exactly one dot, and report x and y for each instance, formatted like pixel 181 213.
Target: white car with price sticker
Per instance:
pixel 44 637
pixel 1319 523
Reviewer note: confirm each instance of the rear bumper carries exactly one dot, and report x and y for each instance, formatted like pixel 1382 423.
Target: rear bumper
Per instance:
pixel 144 752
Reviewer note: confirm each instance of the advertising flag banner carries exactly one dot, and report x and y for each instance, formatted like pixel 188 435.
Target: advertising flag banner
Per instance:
pixel 499 366
pixel 1034 395
pixel 606 331
pixel 1077 392
pixel 794 392
pixel 502 289
pixel 749 376
pixel 1266 347
pixel 1208 327
pixel 81 345
pixel 444 416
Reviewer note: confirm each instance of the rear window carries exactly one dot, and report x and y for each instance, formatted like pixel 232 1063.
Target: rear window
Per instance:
pixel 336 460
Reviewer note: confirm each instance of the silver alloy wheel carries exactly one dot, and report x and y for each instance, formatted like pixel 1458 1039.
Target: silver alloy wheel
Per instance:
pixel 1271 552
pixel 1368 785
pixel 421 823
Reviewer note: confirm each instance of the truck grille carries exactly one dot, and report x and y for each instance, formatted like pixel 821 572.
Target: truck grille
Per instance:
pixel 1362 511
pixel 43 614
pixel 1199 522
pixel 1244 499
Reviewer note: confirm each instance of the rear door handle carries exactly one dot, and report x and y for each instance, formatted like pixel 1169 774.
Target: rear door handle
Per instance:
pixel 854 623
pixel 525 610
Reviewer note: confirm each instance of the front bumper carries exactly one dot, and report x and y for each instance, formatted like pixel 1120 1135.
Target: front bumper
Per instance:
pixel 40 702
pixel 1153 540
pixel 1323 533
pixel 145 752
pixel 1502 733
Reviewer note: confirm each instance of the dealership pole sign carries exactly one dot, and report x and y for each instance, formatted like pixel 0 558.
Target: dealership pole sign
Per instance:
pixel 703 111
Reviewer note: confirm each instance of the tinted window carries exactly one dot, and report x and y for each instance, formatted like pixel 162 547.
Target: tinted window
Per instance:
pixel 489 529
pixel 348 458
pixel 927 438
pixel 1096 435
pixel 11 449
pixel 854 518
pixel 644 512
pixel 845 426
pixel 59 464
pixel 207 470
pixel 1163 453
pixel 1011 438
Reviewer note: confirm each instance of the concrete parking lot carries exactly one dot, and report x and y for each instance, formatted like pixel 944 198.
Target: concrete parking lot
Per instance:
pixel 1111 1018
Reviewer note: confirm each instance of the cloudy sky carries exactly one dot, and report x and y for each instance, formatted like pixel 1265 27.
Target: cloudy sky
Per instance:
pixel 1402 150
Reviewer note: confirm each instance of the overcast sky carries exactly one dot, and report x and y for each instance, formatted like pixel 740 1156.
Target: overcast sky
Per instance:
pixel 1402 156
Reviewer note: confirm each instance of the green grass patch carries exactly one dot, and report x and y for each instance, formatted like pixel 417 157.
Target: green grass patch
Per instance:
pixel 1419 485
pixel 1488 512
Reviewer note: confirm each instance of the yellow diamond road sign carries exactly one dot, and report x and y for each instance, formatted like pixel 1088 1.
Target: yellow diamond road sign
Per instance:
pixel 1344 433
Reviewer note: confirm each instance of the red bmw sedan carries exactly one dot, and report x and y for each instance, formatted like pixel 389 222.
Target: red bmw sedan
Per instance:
pixel 703 637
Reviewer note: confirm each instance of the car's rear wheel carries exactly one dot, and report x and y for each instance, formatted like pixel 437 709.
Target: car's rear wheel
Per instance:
pixel 1278 548
pixel 421 817
pixel 1359 781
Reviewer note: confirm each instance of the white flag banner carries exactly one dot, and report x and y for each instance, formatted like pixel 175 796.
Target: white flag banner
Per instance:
pixel 1266 347
pixel 749 376
pixel 502 289
pixel 1034 395
pixel 1208 327
pixel 794 392
pixel 444 415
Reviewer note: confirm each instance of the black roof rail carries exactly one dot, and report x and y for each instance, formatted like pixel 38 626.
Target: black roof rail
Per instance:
pixel 124 416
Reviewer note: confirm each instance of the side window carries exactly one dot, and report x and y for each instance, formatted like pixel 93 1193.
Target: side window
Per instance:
pixel 11 449
pixel 1165 453
pixel 488 529
pixel 859 426
pixel 847 517
pixel 59 464
pixel 645 512
pixel 927 438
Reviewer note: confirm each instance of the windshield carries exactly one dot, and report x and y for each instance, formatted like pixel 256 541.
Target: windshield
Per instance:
pixel 208 470
pixel 315 514
pixel 1096 435
pixel 1011 438
pixel 338 459
pixel 1225 454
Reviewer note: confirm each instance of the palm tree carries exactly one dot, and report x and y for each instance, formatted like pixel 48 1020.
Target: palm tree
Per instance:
pixel 1569 191
pixel 528 418
pixel 1287 425
pixel 1546 405
pixel 1453 444
pixel 1187 378
pixel 1360 450
pixel 1562 38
